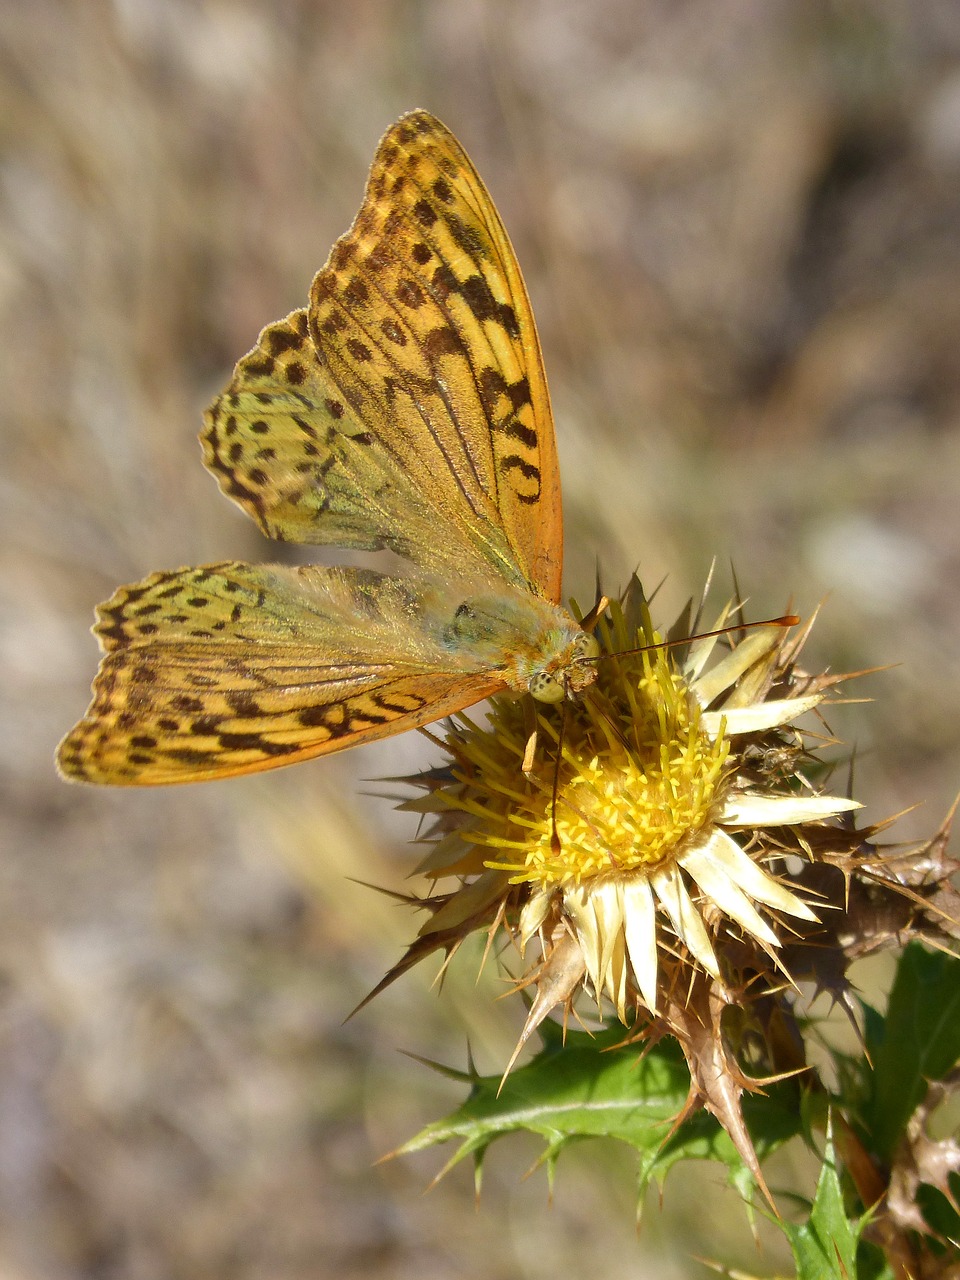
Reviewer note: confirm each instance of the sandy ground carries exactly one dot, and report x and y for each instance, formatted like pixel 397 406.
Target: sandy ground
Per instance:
pixel 739 226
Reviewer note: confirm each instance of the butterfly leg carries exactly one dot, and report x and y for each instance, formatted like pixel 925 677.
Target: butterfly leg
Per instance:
pixel 530 729
pixel 596 613
pixel 529 755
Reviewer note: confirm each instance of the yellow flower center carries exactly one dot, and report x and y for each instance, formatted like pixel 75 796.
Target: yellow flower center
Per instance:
pixel 638 778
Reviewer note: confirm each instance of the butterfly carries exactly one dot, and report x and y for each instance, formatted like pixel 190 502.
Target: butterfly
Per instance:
pixel 405 408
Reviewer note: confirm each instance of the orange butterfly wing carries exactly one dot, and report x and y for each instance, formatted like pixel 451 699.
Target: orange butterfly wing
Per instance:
pixel 405 408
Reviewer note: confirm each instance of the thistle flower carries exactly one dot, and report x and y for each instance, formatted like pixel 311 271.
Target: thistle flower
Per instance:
pixel 670 849
pixel 665 846
pixel 671 770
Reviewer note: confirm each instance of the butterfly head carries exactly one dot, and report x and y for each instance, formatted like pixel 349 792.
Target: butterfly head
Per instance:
pixel 569 672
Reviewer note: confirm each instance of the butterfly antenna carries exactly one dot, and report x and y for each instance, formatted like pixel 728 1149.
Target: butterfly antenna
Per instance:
pixel 785 620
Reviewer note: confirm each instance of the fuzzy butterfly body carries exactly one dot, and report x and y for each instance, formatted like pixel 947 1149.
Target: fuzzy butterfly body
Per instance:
pixel 405 408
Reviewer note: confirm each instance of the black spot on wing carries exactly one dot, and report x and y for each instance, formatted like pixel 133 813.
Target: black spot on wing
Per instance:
pixel 529 472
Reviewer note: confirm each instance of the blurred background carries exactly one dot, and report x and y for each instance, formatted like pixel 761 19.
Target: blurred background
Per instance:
pixel 739 225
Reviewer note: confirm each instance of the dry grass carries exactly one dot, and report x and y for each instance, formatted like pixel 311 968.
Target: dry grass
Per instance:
pixel 739 224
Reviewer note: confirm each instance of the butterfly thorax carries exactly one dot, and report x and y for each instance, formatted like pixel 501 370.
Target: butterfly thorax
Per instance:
pixel 535 646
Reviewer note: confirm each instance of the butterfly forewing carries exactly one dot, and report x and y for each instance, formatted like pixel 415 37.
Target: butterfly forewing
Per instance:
pixel 422 312
pixel 420 381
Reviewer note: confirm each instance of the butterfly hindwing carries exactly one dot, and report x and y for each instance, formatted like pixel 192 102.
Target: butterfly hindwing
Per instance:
pixel 283 443
pixel 232 668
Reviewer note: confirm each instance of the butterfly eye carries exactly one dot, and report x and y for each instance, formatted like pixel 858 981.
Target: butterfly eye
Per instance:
pixel 545 688
pixel 586 645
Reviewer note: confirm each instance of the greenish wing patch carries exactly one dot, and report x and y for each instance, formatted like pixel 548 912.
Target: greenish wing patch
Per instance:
pixel 284 445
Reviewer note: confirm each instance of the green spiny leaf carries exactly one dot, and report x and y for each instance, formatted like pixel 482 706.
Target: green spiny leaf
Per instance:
pixel 825 1246
pixel 595 1086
